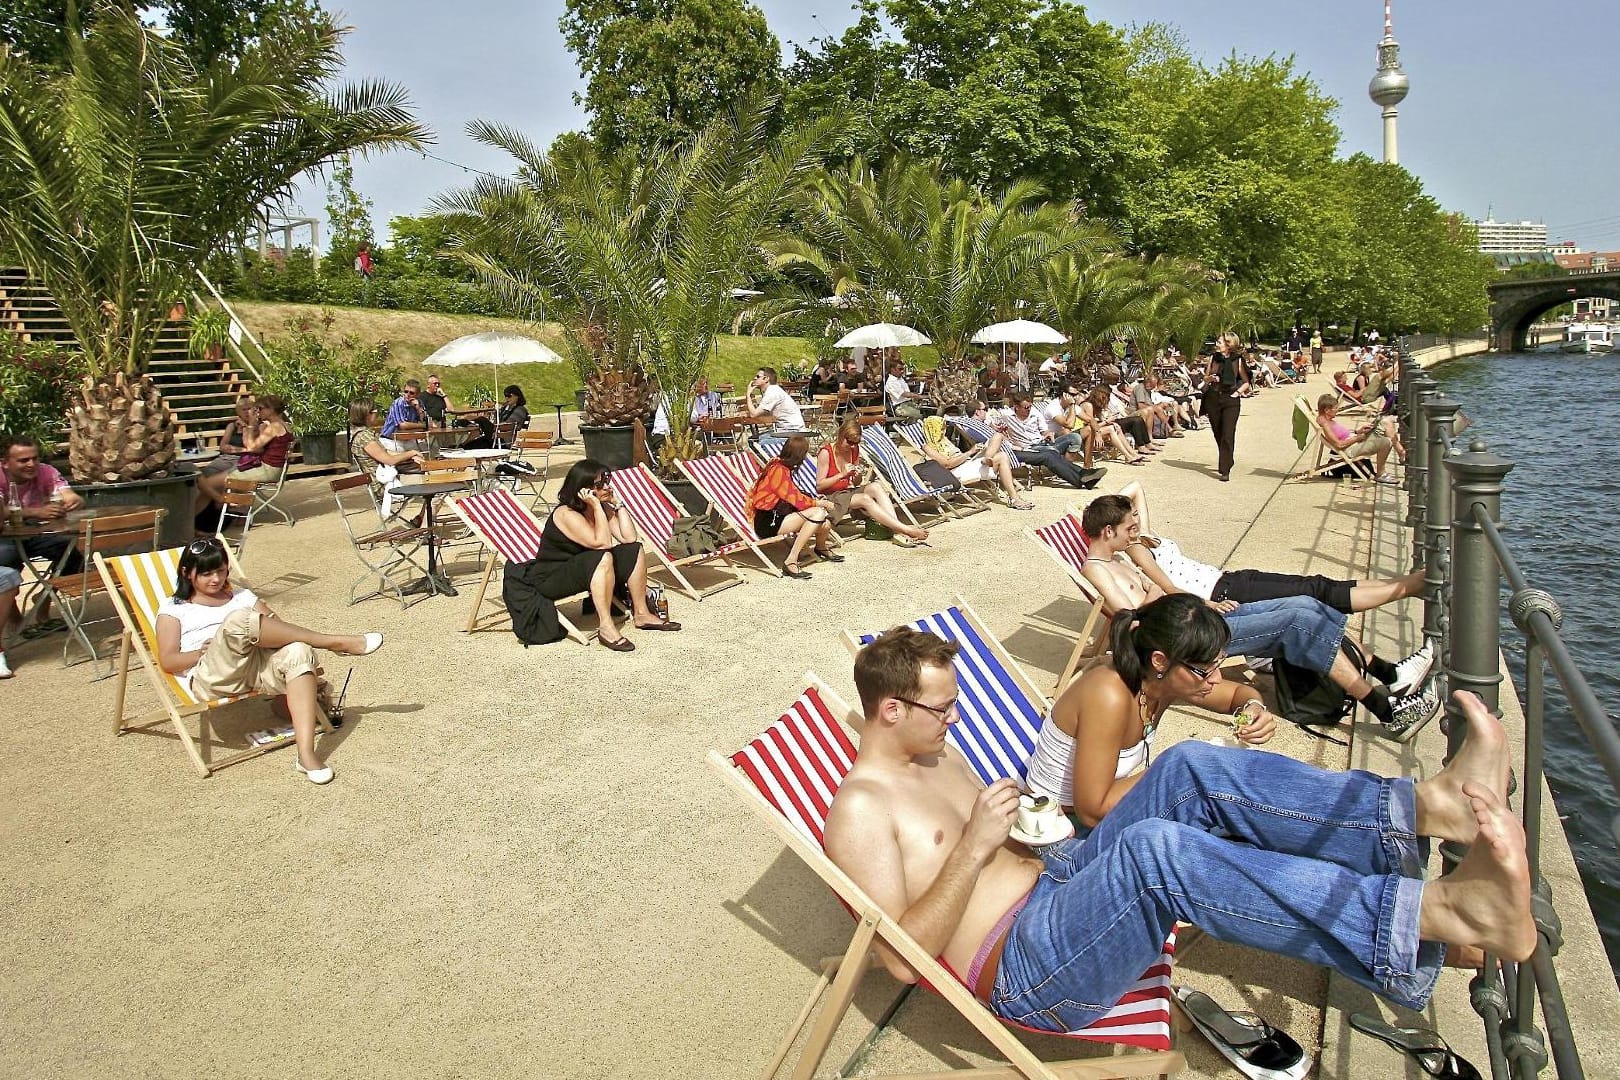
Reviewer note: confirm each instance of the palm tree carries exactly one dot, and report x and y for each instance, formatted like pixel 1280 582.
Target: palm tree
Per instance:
pixel 122 171
pixel 636 256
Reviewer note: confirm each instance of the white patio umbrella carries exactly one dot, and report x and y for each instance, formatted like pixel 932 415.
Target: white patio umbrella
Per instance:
pixel 883 335
pixel 1019 332
pixel 494 348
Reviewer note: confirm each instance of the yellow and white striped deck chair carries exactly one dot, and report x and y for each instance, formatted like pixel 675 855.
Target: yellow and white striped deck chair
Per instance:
pixel 137 585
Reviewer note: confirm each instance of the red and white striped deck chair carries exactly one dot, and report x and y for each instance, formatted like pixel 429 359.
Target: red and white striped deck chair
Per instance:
pixel 512 534
pixel 788 776
pixel 138 585
pixel 1064 541
pixel 746 464
pixel 654 511
pixel 723 486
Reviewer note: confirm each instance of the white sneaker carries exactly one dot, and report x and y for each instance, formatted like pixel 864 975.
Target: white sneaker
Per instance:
pixel 5 668
pixel 1409 715
pixel 1388 478
pixel 1411 672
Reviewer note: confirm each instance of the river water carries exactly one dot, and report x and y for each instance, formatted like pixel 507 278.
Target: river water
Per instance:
pixel 1555 416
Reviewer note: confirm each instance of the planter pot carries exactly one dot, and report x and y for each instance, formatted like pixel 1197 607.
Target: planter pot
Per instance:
pixel 613 446
pixel 319 447
pixel 687 494
pixel 176 494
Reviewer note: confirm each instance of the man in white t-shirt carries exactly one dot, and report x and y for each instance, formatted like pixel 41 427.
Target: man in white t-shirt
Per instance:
pixel 1062 421
pixel 1025 434
pixel 896 391
pixel 773 402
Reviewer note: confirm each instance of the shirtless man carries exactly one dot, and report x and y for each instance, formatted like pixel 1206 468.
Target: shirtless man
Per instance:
pixel 1300 629
pixel 1232 841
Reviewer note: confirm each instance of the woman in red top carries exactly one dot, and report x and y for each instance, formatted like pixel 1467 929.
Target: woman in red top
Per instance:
pixel 264 452
pixel 839 480
pixel 781 508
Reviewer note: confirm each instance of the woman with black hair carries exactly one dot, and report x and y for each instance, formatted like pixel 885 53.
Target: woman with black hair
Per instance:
pixel 1226 384
pixel 1099 737
pixel 222 641
pixel 590 544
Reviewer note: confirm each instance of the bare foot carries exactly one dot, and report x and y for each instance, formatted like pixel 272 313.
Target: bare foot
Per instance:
pixel 918 534
pixel 1483 759
pixel 1485 901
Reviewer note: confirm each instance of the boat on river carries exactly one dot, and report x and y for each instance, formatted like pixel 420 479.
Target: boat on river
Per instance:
pixel 1588 337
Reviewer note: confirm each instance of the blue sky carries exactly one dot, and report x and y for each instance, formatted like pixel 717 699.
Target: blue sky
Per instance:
pixel 1507 109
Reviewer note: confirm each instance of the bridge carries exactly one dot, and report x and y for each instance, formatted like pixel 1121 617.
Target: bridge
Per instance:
pixel 1516 305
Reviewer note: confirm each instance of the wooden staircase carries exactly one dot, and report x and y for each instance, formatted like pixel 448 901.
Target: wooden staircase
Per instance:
pixel 201 393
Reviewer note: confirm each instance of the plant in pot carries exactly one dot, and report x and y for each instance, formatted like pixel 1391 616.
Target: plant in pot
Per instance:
pixel 318 376
pixel 210 330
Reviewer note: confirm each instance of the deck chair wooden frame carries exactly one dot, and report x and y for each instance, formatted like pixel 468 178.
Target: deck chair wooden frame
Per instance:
pixel 1065 543
pixel 809 733
pixel 1308 436
pixel 905 486
pixel 654 510
pixel 137 584
pixel 512 534
pixel 722 485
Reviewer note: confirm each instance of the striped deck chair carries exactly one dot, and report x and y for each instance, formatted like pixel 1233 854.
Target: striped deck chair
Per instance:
pixel 1064 541
pixel 981 432
pixel 137 585
pixel 788 776
pixel 1308 437
pixel 767 447
pixel 746 465
pixel 904 483
pixel 722 484
pixel 654 511
pixel 512 534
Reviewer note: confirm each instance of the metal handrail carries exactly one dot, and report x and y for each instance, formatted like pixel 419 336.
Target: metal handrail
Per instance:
pixel 231 343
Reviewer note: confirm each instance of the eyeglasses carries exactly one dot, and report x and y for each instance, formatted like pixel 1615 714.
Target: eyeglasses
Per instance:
pixel 944 711
pixel 203 546
pixel 601 483
pixel 1205 674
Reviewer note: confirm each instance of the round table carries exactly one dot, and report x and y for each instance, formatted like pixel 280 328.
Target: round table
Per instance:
pixel 434 583
pixel 67 523
pixel 561 440
pixel 479 458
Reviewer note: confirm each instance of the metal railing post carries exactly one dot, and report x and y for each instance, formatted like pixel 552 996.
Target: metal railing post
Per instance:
pixel 1417 463
pixel 1475 663
pixel 1442 416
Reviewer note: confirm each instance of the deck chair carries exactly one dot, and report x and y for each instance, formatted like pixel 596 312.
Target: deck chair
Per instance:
pixel 654 511
pixel 768 447
pixel 1308 436
pixel 980 432
pixel 137 585
pixel 788 776
pixel 512 534
pixel 1349 401
pixel 723 486
pixel 1064 541
pixel 904 483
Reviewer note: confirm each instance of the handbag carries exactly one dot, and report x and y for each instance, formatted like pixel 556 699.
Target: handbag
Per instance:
pixel 936 476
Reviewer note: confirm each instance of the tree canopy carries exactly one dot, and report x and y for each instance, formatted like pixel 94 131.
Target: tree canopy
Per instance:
pixel 204 29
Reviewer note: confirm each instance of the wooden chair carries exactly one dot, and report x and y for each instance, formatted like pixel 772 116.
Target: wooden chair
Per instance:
pixel 1327 458
pixel 905 485
pixel 120 533
pixel 137 585
pixel 386 553
pixel 654 511
pixel 265 494
pixel 237 508
pixel 512 534
pixel 788 776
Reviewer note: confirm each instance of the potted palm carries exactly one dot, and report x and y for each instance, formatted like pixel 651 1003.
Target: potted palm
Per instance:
pixel 210 330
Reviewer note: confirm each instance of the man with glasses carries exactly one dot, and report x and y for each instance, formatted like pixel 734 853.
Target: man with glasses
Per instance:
pixel 405 414
pixel 433 400
pixel 1234 841
pixel 1298 629
pixel 1025 432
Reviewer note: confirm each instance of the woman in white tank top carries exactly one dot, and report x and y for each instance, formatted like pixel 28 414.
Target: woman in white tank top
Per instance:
pixel 1093 746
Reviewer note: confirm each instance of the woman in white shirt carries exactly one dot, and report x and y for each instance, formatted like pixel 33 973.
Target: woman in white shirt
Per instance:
pixel 222 641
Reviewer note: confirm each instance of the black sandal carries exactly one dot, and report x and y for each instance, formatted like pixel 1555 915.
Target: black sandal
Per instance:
pixel 1254 1047
pixel 792 571
pixel 1423 1046
pixel 830 556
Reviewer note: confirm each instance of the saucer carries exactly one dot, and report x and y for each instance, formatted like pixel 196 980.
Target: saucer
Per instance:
pixel 1065 832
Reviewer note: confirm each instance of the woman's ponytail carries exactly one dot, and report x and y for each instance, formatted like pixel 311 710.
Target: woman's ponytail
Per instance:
pixel 1122 641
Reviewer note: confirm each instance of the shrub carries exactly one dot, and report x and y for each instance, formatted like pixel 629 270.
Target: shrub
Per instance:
pixel 318 375
pixel 36 383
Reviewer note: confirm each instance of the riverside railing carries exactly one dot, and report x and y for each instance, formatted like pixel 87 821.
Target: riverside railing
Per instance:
pixel 1453 504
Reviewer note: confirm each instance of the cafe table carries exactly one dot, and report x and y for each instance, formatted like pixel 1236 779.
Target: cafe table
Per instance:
pixel 429 492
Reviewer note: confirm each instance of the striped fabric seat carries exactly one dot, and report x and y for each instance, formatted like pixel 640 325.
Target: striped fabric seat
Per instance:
pixel 795 767
pixel 1065 540
pixel 977 430
pixel 1000 716
pixel 745 465
pixel 145 581
pixel 912 432
pixel 512 533
pixel 722 484
pixel 804 477
pixel 1066 544
pixel 654 511
pixel 907 485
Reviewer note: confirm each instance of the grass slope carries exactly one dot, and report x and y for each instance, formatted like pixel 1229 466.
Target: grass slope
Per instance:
pixel 414 335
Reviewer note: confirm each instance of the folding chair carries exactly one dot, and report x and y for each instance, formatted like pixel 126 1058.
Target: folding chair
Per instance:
pixel 904 483
pixel 1350 402
pixel 265 494
pixel 1064 541
pixel 237 508
pixel 654 511
pixel 384 553
pixel 912 432
pixel 1308 436
pixel 137 585
pixel 769 447
pixel 748 467
pixel 512 534
pixel 788 776
pixel 533 448
pixel 120 534
pixel 980 432
pixel 723 486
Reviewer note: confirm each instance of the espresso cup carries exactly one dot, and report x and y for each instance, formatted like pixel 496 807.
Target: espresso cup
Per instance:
pixel 1036 814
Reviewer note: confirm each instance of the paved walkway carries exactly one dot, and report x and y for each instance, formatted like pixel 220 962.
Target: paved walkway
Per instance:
pixel 524 867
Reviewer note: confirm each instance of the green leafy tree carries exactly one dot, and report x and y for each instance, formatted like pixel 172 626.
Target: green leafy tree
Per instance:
pixel 205 29
pixel 658 71
pixel 348 218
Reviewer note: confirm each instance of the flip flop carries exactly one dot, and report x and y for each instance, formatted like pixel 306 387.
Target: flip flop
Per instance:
pixel 1258 1050
pixel 1423 1046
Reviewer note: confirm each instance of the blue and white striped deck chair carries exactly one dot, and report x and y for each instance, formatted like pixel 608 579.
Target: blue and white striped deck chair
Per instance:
pixel 912 432
pixel 768 447
pixel 980 432
pixel 904 484
pixel 1001 710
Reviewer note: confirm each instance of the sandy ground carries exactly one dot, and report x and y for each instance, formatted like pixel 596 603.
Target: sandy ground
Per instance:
pixel 524 867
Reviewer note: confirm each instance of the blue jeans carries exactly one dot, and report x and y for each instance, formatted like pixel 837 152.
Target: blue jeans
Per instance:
pixel 1254 848
pixel 1068 442
pixel 1044 455
pixel 1300 629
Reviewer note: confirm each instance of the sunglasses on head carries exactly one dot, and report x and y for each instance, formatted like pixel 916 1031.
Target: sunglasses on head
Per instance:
pixel 203 546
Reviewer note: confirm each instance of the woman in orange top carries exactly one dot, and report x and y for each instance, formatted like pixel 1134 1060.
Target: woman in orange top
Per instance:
pixel 781 508
pixel 839 480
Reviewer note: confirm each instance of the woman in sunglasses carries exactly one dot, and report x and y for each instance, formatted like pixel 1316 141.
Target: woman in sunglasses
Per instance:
pixel 222 641
pixel 590 544
pixel 1099 739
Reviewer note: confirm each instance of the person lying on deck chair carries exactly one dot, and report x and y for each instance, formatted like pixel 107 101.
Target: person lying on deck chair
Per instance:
pixel 1232 841
pixel 1371 439
pixel 1299 629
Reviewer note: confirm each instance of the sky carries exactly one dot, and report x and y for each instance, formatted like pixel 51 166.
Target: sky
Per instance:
pixel 1507 112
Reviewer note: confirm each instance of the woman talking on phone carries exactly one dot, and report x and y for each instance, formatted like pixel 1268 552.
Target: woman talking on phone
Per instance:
pixel 591 545
pixel 1226 383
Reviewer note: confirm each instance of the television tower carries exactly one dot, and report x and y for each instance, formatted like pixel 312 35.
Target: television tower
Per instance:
pixel 1388 88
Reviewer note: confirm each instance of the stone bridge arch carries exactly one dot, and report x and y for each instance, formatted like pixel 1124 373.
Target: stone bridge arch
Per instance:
pixel 1516 305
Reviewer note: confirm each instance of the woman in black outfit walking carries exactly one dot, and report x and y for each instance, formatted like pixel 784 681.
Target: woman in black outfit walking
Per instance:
pixel 1225 383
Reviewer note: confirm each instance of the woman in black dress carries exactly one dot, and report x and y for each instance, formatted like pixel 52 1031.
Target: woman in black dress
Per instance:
pixel 1226 383
pixel 591 545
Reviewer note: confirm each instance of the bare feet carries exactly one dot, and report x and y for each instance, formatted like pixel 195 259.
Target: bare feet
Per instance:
pixel 917 534
pixel 1485 901
pixel 1442 808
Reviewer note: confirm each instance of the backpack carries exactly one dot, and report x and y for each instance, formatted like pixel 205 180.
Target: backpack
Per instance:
pixel 1311 699
pixel 693 535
